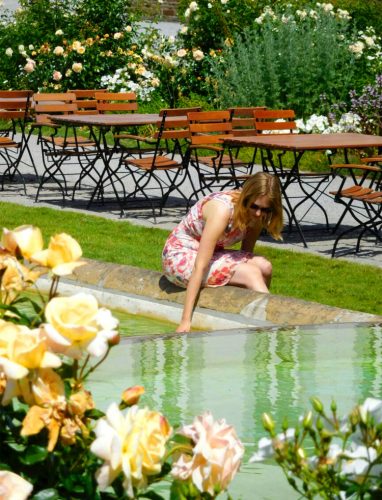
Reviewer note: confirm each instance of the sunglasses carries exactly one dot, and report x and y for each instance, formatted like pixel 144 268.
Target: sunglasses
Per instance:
pixel 263 210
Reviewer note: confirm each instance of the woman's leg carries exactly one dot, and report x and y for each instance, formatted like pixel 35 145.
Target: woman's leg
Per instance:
pixel 255 274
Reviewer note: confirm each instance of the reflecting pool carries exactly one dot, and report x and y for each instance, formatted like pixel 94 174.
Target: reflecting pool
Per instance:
pixel 240 374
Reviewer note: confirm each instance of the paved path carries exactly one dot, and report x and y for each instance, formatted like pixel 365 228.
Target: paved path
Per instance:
pixel 319 240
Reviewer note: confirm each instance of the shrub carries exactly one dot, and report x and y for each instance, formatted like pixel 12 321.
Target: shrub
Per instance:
pixel 300 59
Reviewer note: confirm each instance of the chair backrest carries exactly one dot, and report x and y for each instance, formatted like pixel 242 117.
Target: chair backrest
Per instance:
pixel 86 101
pixel 46 104
pixel 243 121
pixel 209 127
pixel 116 101
pixel 177 128
pixel 274 121
pixel 15 105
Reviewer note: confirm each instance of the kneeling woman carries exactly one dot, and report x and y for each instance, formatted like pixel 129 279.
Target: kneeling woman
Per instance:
pixel 194 255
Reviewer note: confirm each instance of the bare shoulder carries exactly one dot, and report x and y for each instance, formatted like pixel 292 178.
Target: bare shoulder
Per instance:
pixel 214 208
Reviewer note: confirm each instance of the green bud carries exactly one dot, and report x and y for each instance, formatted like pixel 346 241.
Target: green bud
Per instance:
pixel 317 405
pixel 319 424
pixel 284 425
pixel 308 420
pixel 333 406
pixel 268 423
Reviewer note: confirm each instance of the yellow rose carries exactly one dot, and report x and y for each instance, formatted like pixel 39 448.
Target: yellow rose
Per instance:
pixel 61 255
pixel 134 443
pixel 131 395
pixel 15 278
pixel 22 349
pixel 76 323
pixel 24 240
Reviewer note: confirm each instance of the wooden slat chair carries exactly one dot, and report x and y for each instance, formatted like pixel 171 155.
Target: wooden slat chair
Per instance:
pixel 215 168
pixel 312 184
pixel 243 125
pixel 133 143
pixel 62 147
pixel 155 176
pixel 14 114
pixel 86 101
pixel 362 200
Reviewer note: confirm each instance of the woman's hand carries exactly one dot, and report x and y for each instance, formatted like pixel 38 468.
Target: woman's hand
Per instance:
pixel 184 327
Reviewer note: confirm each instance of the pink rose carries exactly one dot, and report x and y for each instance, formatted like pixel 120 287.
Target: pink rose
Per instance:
pixel 216 455
pixel 57 76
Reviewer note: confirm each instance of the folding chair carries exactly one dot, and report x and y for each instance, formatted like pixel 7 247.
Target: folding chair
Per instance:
pixel 158 172
pixel 282 121
pixel 86 101
pixel 243 125
pixel 14 112
pixel 362 200
pixel 63 149
pixel 215 168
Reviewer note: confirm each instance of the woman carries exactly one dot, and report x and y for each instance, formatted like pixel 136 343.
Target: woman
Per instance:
pixel 194 254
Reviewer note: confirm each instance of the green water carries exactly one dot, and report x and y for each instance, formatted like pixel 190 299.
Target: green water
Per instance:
pixel 132 325
pixel 239 375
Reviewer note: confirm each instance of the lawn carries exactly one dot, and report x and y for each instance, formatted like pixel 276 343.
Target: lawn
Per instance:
pixel 304 276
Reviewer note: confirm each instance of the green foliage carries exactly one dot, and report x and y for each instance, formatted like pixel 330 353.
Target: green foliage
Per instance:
pixel 294 59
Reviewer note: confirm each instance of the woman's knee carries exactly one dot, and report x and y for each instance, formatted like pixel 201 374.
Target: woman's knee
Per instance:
pixel 264 265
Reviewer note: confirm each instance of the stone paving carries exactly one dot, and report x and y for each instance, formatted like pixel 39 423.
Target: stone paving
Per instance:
pixel 320 241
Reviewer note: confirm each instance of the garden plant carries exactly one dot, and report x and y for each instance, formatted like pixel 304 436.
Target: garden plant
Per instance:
pixel 54 442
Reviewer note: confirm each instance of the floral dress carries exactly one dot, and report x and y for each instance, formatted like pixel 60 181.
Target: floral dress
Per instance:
pixel 181 248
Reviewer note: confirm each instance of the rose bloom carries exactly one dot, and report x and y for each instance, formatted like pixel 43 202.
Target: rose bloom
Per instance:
pixel 9 52
pixel 14 487
pixel 14 278
pixel 134 444
pixel 77 67
pixel 57 76
pixel 58 51
pixel 76 45
pixel 217 454
pixel 197 55
pixel 81 50
pixel 30 66
pixel 128 29
pixel 59 32
pixel 76 323
pixel 181 52
pixel 117 35
pixel 62 255
pixel 23 240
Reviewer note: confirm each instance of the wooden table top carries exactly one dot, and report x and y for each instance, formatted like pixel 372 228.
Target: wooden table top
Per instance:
pixel 108 120
pixel 307 142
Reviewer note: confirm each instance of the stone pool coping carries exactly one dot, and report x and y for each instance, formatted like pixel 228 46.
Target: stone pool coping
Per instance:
pixel 147 292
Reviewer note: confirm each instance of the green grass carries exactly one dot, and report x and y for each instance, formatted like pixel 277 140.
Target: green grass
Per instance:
pixel 332 282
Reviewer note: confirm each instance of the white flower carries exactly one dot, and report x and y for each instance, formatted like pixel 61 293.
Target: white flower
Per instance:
pixel 21 48
pixel 77 67
pixel 59 32
pixel 117 35
pixel 184 29
pixel 181 52
pixel 58 51
pixel 224 1
pixel 266 445
pixel 193 7
pixel 30 66
pixel 197 55
pixel 9 52
pixel 31 47
pixel 128 29
pixel 369 41
pixel 357 48
pixel 358 462
pixel 373 408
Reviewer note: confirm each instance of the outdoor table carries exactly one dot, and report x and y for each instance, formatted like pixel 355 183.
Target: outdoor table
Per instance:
pixel 103 123
pixel 299 144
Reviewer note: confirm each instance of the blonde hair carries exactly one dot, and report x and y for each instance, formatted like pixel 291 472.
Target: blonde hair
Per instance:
pixel 260 184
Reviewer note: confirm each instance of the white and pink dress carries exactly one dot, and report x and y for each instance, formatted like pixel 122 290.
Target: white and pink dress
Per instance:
pixel 181 248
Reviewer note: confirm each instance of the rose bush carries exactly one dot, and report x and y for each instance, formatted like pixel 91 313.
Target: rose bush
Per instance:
pixel 54 442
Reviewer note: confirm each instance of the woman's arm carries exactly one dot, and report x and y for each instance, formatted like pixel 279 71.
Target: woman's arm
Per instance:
pixel 252 235
pixel 216 217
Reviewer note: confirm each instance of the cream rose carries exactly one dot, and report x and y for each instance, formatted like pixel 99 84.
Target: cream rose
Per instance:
pixel 134 443
pixel 30 66
pixel 57 76
pixel 25 240
pixel 76 323
pixel 14 487
pixel 15 278
pixel 77 67
pixel 216 457
pixel 61 255
pixel 58 51
pixel 197 55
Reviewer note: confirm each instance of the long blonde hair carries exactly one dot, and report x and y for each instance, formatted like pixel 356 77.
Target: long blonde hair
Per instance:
pixel 260 184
